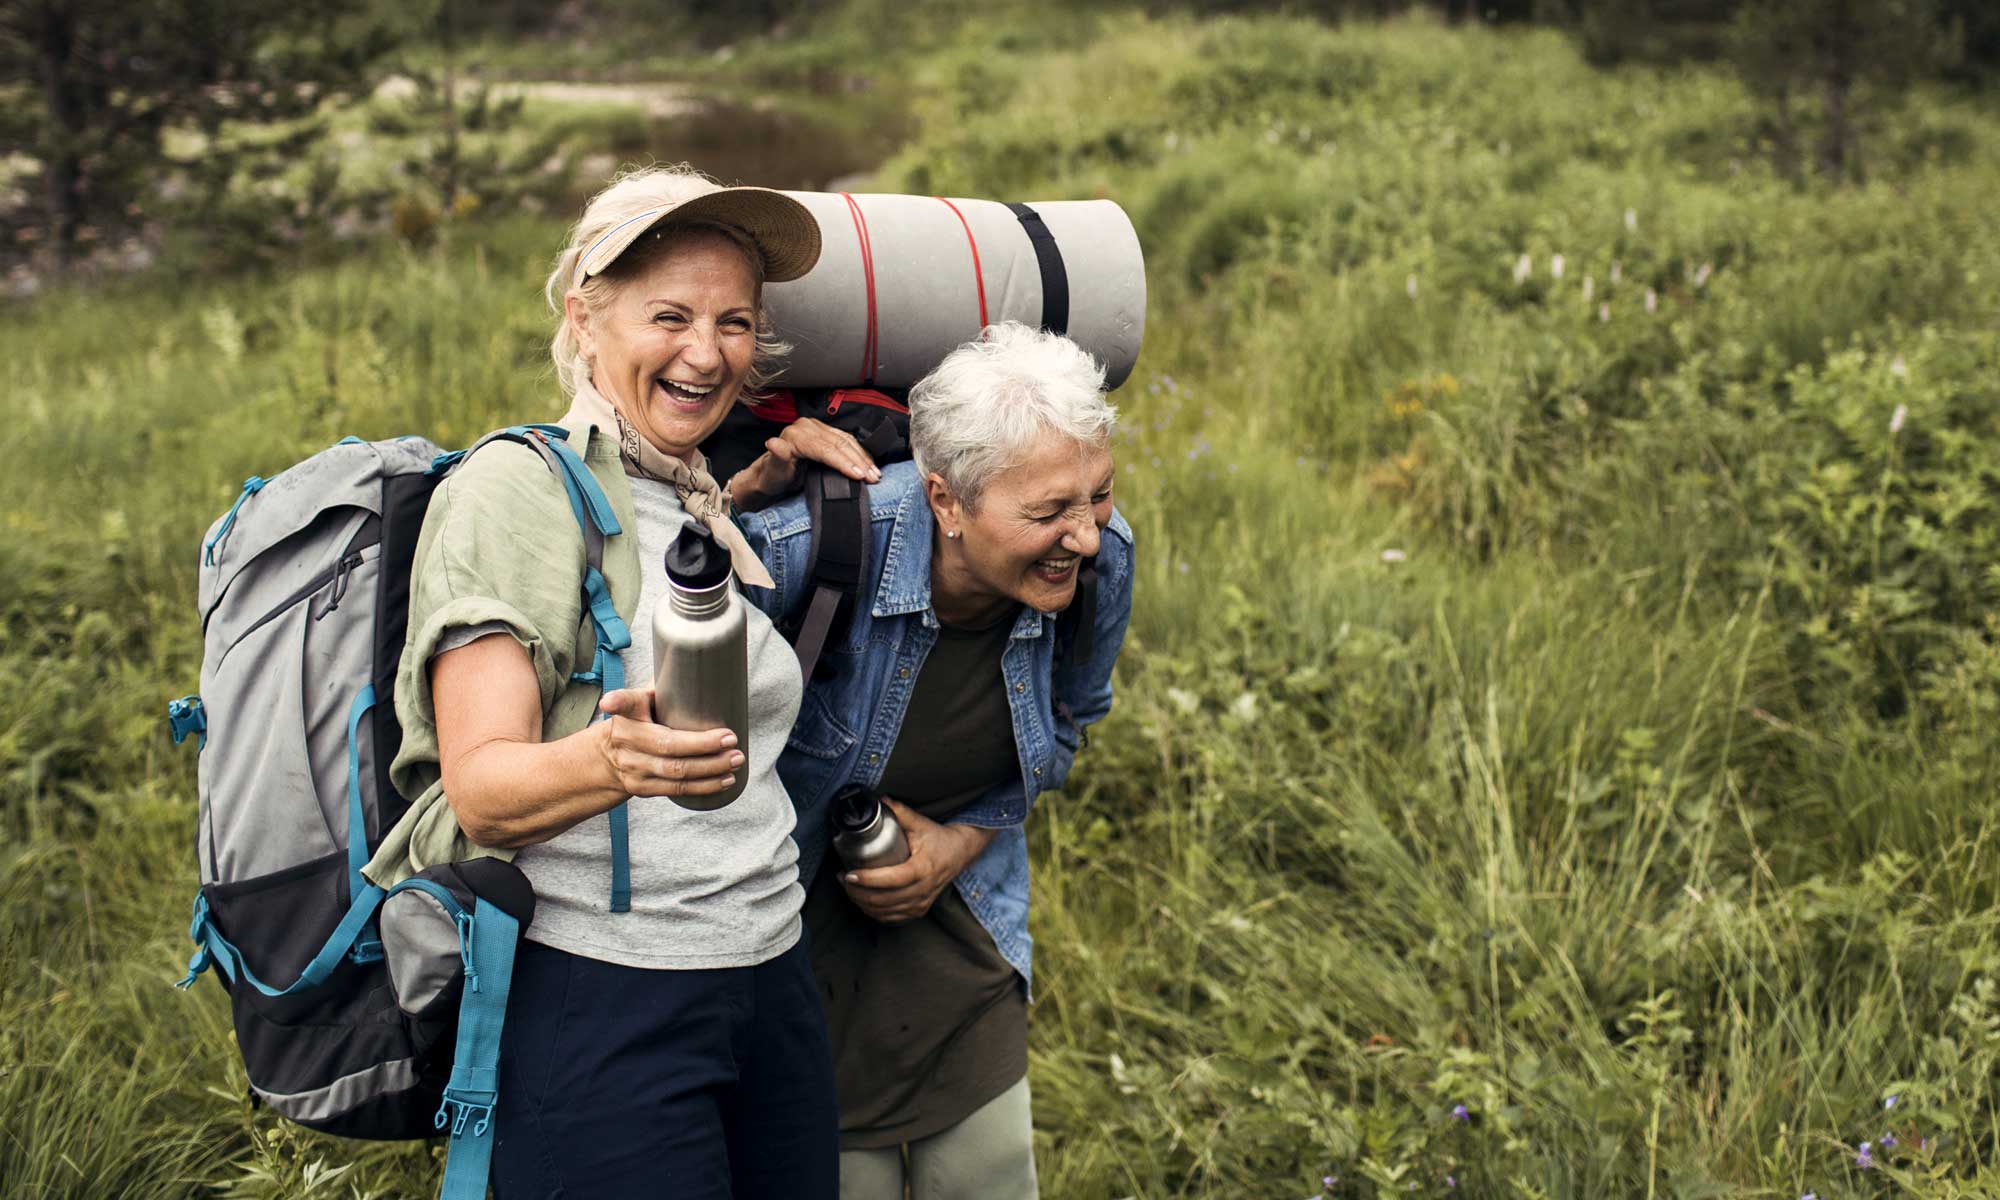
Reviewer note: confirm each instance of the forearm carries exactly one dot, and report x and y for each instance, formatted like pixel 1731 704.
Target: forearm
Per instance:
pixel 508 793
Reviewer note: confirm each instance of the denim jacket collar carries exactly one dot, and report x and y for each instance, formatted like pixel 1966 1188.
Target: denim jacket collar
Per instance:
pixel 906 569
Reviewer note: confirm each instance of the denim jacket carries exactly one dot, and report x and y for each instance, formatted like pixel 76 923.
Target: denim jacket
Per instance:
pixel 850 718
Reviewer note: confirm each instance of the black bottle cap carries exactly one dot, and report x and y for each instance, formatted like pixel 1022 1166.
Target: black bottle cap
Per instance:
pixel 854 808
pixel 696 561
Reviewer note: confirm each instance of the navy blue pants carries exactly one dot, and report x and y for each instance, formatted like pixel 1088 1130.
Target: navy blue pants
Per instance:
pixel 709 1084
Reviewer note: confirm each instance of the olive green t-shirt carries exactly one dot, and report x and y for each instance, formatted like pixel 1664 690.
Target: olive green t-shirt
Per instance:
pixel 928 1021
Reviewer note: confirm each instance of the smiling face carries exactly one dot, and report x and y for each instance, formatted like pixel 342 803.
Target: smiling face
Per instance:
pixel 672 345
pixel 1035 522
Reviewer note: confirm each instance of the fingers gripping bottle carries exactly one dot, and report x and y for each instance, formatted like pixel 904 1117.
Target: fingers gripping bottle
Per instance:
pixel 701 663
pixel 865 832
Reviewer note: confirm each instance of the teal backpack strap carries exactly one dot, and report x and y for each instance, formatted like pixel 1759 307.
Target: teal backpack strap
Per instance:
pixel 368 946
pixel 214 950
pixel 474 1087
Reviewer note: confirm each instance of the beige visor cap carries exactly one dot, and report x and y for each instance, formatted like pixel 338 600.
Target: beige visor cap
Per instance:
pixel 783 230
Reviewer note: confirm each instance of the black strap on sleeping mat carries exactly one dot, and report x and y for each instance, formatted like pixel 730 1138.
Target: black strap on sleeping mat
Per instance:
pixel 1055 278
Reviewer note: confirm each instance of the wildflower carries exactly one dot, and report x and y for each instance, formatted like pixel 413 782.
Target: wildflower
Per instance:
pixel 1410 286
pixel 1556 266
pixel 1702 273
pixel 1891 1101
pixel 1589 287
pixel 1865 1159
pixel 1523 269
pixel 1451 1181
pixel 1652 302
pixel 1896 420
pixel 1632 220
pixel 1181 567
pixel 1604 312
pixel 1888 1140
pixel 1393 555
pixel 1899 368
pixel 1810 1196
pixel 1458 1111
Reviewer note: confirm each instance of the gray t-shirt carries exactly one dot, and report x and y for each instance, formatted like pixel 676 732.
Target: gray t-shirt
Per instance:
pixel 709 889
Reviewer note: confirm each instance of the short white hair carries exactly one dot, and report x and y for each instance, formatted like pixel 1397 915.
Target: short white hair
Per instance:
pixel 981 409
pixel 629 195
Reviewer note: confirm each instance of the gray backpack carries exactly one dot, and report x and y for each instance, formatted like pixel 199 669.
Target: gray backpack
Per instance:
pixel 358 1011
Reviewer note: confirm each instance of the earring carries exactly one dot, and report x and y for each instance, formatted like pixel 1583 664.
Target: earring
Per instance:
pixel 951 533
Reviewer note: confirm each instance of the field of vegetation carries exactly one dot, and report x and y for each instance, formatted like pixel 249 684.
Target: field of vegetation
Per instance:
pixel 1558 749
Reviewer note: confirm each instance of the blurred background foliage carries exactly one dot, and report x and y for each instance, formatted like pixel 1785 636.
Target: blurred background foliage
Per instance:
pixel 1555 751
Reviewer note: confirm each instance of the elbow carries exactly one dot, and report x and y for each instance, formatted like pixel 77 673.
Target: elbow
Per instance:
pixel 481 826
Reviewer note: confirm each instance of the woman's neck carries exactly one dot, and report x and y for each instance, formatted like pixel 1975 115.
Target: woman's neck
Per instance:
pixel 955 598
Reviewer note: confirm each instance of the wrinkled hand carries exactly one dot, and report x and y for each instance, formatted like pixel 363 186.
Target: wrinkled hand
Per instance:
pixel 646 758
pixel 906 891
pixel 776 472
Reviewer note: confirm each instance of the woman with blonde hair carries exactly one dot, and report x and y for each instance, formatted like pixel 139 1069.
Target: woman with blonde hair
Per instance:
pixel 662 1034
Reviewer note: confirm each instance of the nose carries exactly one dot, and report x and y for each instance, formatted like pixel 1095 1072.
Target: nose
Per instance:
pixel 703 349
pixel 1081 537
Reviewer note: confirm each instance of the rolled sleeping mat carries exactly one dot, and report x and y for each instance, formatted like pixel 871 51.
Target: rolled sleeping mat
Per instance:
pixel 903 280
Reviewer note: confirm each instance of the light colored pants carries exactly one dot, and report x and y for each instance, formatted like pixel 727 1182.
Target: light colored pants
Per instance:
pixel 988 1156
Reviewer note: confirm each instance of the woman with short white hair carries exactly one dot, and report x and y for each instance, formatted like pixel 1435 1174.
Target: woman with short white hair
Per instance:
pixel 958 691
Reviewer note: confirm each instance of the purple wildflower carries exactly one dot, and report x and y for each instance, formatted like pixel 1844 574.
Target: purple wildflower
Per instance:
pixel 1461 1112
pixel 1451 1181
pixel 1891 1101
pixel 1865 1159
pixel 1888 1139
pixel 1810 1196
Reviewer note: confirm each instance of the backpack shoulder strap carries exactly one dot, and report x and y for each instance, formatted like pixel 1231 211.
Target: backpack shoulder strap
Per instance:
pixel 609 633
pixel 837 562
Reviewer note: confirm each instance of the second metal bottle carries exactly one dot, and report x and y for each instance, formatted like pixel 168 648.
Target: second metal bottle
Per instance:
pixel 701 663
pixel 866 833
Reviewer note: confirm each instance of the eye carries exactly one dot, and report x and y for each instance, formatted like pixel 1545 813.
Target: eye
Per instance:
pixel 670 319
pixel 738 324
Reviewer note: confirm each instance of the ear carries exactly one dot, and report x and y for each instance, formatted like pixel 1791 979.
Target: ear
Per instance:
pixel 578 316
pixel 944 503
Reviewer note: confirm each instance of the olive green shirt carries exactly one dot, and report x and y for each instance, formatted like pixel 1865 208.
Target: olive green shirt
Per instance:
pixel 524 544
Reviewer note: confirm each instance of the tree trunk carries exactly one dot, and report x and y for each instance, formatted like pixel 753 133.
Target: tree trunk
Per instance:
pixel 1837 40
pixel 62 167
pixel 449 39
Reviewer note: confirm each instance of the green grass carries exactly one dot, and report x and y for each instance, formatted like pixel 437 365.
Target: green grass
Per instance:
pixel 1643 802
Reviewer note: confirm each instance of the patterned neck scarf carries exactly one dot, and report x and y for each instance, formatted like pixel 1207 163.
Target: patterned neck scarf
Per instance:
pixel 699 494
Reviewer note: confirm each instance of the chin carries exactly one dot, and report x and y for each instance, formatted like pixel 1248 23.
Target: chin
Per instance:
pixel 1047 601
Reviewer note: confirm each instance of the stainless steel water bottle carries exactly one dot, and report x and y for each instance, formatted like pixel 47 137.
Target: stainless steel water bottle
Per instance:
pixel 865 832
pixel 701 663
